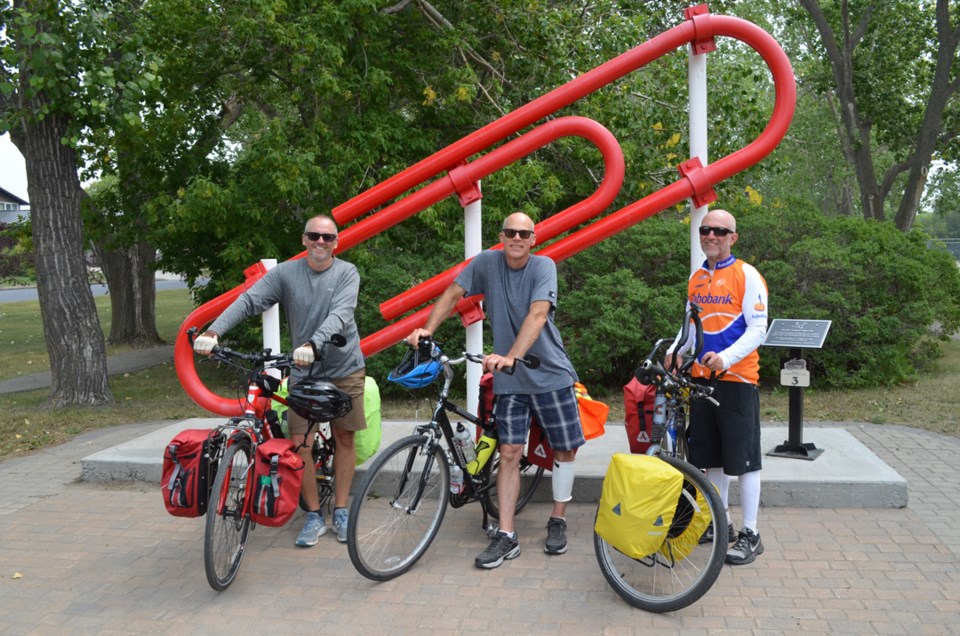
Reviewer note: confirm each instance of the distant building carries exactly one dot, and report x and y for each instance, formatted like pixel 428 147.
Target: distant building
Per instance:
pixel 12 208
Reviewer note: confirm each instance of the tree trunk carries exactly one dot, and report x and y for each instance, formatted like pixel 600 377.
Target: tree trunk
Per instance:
pixel 71 328
pixel 130 278
pixel 941 91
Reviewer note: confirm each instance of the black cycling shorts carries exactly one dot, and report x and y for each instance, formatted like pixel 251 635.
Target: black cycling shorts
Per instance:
pixel 727 436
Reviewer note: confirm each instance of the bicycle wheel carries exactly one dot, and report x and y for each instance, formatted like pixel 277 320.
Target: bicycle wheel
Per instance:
pixel 530 476
pixel 682 570
pixel 227 522
pixel 398 507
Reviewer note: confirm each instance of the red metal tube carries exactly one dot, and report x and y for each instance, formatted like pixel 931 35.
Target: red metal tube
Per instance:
pixel 698 28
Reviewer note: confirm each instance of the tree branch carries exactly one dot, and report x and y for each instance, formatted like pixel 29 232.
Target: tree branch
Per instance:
pixel 892 173
pixel 397 8
pixel 440 22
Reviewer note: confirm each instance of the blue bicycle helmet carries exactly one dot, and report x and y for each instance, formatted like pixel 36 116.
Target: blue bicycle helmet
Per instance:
pixel 417 369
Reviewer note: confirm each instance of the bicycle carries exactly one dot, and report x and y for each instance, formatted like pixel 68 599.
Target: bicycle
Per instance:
pixel 400 503
pixel 682 569
pixel 674 390
pixel 234 444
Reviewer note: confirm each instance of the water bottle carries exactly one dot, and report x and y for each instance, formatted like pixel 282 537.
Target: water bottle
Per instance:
pixel 659 419
pixel 456 480
pixel 484 450
pixel 462 439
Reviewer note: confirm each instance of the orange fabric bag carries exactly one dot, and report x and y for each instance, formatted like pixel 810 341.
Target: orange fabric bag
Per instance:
pixel 593 413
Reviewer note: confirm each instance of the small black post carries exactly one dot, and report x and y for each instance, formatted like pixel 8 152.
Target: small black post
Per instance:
pixel 794 446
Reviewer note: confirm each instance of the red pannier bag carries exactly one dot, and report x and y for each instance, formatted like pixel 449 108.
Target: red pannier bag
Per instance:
pixel 186 476
pixel 485 403
pixel 638 414
pixel 539 452
pixel 277 476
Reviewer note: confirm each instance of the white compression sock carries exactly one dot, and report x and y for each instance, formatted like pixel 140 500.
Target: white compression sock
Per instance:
pixel 750 498
pixel 722 481
pixel 562 481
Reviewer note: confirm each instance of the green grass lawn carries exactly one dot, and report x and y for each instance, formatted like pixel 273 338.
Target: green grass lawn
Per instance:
pixel 24 352
pixel 932 403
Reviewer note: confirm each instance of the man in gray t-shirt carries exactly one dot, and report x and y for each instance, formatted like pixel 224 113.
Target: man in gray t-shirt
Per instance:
pixel 319 297
pixel 520 292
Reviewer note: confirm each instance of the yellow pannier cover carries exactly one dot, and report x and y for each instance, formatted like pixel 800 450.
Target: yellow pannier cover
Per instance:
pixel 637 504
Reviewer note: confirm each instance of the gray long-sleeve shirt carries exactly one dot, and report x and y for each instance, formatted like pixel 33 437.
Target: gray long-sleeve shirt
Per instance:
pixel 317 305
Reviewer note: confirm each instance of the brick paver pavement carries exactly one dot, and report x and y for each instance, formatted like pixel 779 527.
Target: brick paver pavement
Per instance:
pixel 79 558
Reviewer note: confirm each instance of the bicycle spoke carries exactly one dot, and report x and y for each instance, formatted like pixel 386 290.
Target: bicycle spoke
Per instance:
pixel 397 509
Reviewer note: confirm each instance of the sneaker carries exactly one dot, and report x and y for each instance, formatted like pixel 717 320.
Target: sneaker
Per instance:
pixel 340 517
pixel 556 536
pixel 313 528
pixel 746 549
pixel 501 547
pixel 707 535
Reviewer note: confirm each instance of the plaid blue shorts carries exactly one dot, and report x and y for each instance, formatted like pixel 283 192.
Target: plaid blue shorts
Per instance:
pixel 556 411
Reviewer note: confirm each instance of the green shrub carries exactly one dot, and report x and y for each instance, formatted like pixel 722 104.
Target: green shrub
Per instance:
pixel 883 290
pixel 617 298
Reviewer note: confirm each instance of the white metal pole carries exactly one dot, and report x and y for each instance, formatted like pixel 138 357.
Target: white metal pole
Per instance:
pixel 697 86
pixel 472 245
pixel 271 321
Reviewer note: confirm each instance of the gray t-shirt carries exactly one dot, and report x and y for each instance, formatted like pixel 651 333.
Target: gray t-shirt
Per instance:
pixel 508 294
pixel 317 305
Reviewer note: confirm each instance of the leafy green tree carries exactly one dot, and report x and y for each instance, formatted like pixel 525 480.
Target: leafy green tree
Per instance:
pixel 943 220
pixel 49 57
pixel 889 71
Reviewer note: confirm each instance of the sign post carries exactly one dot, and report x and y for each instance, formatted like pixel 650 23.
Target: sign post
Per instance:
pixel 796 335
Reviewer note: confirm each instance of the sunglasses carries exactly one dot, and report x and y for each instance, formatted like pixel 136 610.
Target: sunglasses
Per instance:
pixel 316 236
pixel 719 232
pixel 510 233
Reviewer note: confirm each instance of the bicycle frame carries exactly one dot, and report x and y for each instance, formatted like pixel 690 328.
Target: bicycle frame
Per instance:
pixel 440 427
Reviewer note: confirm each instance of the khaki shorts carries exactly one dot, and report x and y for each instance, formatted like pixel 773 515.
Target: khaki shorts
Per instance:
pixel 355 420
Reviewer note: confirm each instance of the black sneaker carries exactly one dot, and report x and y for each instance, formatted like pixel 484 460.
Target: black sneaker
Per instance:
pixel 501 547
pixel 746 549
pixel 707 535
pixel 556 536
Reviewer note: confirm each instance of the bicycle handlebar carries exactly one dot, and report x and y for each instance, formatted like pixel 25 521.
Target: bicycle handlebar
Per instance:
pixel 531 361
pixel 692 313
pixel 652 371
pixel 261 359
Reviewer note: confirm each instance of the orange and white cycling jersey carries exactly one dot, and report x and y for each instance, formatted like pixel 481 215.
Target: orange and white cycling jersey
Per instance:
pixel 733 299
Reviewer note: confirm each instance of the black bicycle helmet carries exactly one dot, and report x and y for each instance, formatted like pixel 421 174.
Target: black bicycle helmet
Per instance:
pixel 318 400
pixel 417 369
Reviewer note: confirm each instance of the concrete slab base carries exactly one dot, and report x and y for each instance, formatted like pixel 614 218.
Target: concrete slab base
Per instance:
pixel 845 475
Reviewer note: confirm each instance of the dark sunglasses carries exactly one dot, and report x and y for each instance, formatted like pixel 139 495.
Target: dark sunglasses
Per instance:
pixel 510 233
pixel 719 232
pixel 316 236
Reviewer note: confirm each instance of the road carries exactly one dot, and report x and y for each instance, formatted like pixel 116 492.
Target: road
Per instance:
pixel 19 294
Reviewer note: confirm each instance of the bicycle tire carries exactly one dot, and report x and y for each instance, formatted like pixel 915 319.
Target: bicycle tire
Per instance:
pixel 661 582
pixel 530 477
pixel 384 537
pixel 227 523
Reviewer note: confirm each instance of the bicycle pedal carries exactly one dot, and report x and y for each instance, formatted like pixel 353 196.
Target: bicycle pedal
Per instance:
pixel 492 529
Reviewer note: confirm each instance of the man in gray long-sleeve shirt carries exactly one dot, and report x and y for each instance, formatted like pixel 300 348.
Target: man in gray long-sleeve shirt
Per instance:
pixel 319 296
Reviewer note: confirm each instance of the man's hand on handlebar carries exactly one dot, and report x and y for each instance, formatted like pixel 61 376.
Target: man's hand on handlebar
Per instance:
pixel 205 343
pixel 304 355
pixel 492 362
pixel 508 364
pixel 417 335
pixel 712 361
